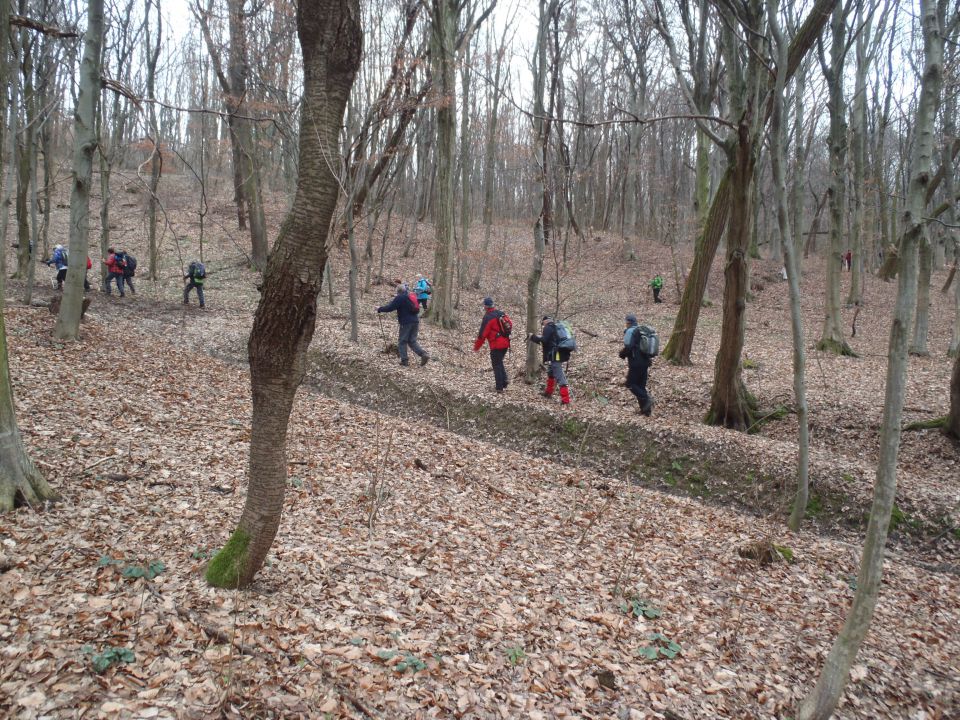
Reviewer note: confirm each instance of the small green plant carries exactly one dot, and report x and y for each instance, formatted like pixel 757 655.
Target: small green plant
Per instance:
pixel 660 647
pixel 410 662
pixel 149 571
pixel 201 553
pixel 750 364
pixel 515 655
pixel 640 608
pixel 111 656
pixel 296 482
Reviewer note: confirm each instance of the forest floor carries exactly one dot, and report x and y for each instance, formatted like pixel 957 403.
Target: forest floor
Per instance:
pixel 426 573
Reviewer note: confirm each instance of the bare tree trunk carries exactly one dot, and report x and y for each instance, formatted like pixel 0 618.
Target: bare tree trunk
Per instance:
pixel 858 133
pixel 921 324
pixel 791 260
pixel 542 125
pixel 156 158
pixel 85 132
pixel 489 159
pixel 952 428
pixel 823 699
pixel 443 54
pixel 462 255
pixel 831 337
pixel 283 326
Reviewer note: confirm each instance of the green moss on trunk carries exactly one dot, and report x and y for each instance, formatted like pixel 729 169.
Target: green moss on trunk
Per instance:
pixel 939 422
pixel 225 570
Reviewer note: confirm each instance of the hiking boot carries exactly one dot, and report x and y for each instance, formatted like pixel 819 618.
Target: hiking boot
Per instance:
pixel 404 363
pixel 424 359
pixel 647 409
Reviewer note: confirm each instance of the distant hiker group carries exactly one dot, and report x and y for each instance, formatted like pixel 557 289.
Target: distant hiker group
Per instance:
pixel 556 339
pixel 121 268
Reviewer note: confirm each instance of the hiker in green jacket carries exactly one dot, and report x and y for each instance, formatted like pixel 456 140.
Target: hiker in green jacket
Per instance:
pixel 657 285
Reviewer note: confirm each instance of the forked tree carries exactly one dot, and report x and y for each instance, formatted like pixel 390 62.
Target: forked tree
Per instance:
pixel 330 39
pixel 823 699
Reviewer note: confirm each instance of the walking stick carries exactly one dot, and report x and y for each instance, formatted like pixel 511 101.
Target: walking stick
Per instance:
pixel 382 334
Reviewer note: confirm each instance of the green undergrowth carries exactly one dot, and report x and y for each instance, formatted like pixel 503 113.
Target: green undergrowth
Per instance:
pixel 225 569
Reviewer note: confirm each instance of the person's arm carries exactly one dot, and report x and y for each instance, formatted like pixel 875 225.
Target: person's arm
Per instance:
pixel 482 335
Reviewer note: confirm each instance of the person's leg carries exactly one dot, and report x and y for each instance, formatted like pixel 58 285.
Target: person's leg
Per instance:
pixel 414 345
pixel 186 292
pixel 86 283
pixel 61 276
pixel 402 340
pixel 499 371
pixel 200 295
pixel 128 279
pixel 556 369
pixel 634 384
pixel 118 279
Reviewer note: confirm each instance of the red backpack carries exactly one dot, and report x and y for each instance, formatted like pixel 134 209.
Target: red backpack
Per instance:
pixel 412 297
pixel 504 325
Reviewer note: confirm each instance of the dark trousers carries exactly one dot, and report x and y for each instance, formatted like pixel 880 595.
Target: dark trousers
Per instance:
pixel 408 336
pixel 118 277
pixel 423 303
pixel 656 295
pixel 128 279
pixel 637 382
pixel 499 370
pixel 61 276
pixel 186 292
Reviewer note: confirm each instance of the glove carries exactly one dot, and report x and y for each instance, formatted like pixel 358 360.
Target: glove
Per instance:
pixel 623 353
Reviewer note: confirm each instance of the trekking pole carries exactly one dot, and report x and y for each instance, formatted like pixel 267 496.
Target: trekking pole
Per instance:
pixel 382 334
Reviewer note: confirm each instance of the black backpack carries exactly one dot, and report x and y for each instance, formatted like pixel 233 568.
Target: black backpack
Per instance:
pixel 120 259
pixel 131 268
pixel 646 342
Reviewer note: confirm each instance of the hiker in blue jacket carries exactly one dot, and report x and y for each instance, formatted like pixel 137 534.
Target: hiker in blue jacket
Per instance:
pixel 423 289
pixel 59 261
pixel 408 317
pixel 638 365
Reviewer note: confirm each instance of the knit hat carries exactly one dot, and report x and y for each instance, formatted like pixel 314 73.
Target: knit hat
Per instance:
pixel 488 302
pixel 546 318
pixel 631 319
pixel 402 287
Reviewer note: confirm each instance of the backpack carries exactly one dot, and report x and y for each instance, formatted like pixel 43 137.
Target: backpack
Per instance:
pixel 646 342
pixel 565 339
pixel 120 260
pixel 196 271
pixel 412 297
pixel 504 325
pixel 131 267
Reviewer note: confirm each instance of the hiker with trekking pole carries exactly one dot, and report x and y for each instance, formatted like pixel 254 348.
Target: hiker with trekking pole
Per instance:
pixel 407 307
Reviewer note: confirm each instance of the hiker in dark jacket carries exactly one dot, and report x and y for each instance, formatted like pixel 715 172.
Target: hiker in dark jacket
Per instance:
pixel 554 357
pixel 196 275
pixel 408 316
pixel 490 333
pixel 638 365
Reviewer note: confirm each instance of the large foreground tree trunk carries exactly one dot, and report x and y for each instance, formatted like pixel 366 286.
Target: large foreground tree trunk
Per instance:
pixel 952 428
pixel 330 36
pixel 20 481
pixel 85 144
pixel 821 702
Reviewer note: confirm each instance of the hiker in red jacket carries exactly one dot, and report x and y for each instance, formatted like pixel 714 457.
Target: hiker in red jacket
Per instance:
pixel 495 331
pixel 114 271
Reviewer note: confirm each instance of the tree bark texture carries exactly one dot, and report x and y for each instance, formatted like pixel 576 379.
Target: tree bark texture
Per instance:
pixel 822 701
pixel 330 36
pixel 85 144
pixel 443 36
pixel 831 337
pixel 678 348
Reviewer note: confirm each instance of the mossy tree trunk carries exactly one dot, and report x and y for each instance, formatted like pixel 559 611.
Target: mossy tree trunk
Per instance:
pixel 921 323
pixel 822 701
pixel 283 326
pixel 85 144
